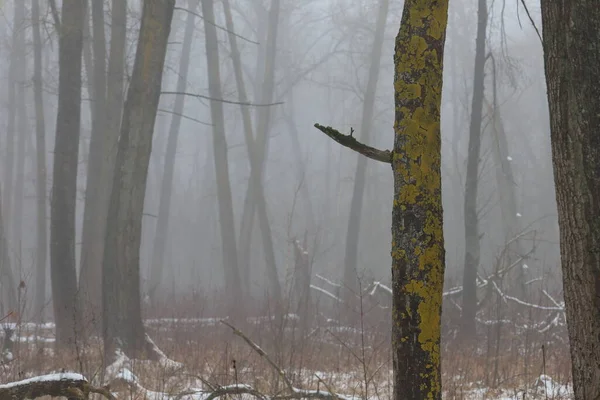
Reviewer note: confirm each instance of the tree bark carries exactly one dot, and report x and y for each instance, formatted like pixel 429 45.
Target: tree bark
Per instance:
pixel 366 126
pixel 122 319
pixel 228 242
pixel 64 180
pixel 164 207
pixel 417 222
pixel 472 251
pixel 571 40
pixel 41 197
pixel 92 231
pixel 417 234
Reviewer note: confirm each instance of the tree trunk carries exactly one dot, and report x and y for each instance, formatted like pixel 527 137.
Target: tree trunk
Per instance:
pixel 469 293
pixel 88 64
pixel 64 181
pixel 8 288
pixel 507 197
pixel 122 318
pixel 230 256
pixel 244 255
pixel 91 268
pixel 9 160
pixel 255 179
pixel 20 29
pixel 40 135
pixel 572 64
pixel 253 202
pixel 417 234
pixel 366 125
pixel 92 231
pixel 164 207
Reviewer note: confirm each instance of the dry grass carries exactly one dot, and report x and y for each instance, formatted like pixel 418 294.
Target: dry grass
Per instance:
pixel 344 358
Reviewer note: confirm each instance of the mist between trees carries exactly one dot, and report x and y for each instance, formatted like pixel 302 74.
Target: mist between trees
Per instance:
pixel 161 171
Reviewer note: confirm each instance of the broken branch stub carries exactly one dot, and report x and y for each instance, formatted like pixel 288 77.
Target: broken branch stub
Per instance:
pixel 350 142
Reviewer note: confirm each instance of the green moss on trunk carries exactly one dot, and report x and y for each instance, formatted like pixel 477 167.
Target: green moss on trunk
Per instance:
pixel 417 234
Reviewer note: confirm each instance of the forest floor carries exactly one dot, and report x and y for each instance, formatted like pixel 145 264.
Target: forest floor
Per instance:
pixel 202 355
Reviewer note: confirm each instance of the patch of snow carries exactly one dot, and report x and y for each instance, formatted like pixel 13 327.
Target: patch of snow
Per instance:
pixel 121 362
pixel 36 339
pixel 126 375
pixel 333 296
pixel 328 281
pixel 199 321
pixel 380 285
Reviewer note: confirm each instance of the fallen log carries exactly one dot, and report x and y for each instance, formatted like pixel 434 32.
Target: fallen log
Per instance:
pixel 64 384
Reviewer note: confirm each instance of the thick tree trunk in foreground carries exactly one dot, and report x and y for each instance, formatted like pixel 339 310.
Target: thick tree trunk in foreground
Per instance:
pixel 417 225
pixel 228 242
pixel 469 294
pixel 164 206
pixel 417 235
pixel 122 319
pixel 572 60
pixel 41 258
pixel 353 233
pixel 64 180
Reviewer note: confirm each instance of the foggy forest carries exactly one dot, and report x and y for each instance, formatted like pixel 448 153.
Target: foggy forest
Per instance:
pixel 308 199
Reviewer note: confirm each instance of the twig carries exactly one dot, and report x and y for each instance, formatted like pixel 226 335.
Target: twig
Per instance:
pixel 262 353
pixel 215 25
pixel 200 96
pixel 55 16
pixel 350 142
pixel 185 117
pixel 531 20
pixel 6 316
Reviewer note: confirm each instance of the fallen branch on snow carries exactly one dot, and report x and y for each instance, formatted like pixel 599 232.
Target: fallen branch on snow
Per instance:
pixel 294 393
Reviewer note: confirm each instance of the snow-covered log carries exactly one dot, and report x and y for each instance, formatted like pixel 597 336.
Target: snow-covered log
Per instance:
pixel 65 384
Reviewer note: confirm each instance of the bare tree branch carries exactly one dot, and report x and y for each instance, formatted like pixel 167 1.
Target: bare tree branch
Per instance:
pixel 184 116
pixel 531 20
pixel 55 16
pixel 215 25
pixel 349 141
pixel 200 96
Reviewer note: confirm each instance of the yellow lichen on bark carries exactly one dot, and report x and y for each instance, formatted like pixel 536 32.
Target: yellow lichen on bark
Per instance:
pixel 417 234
